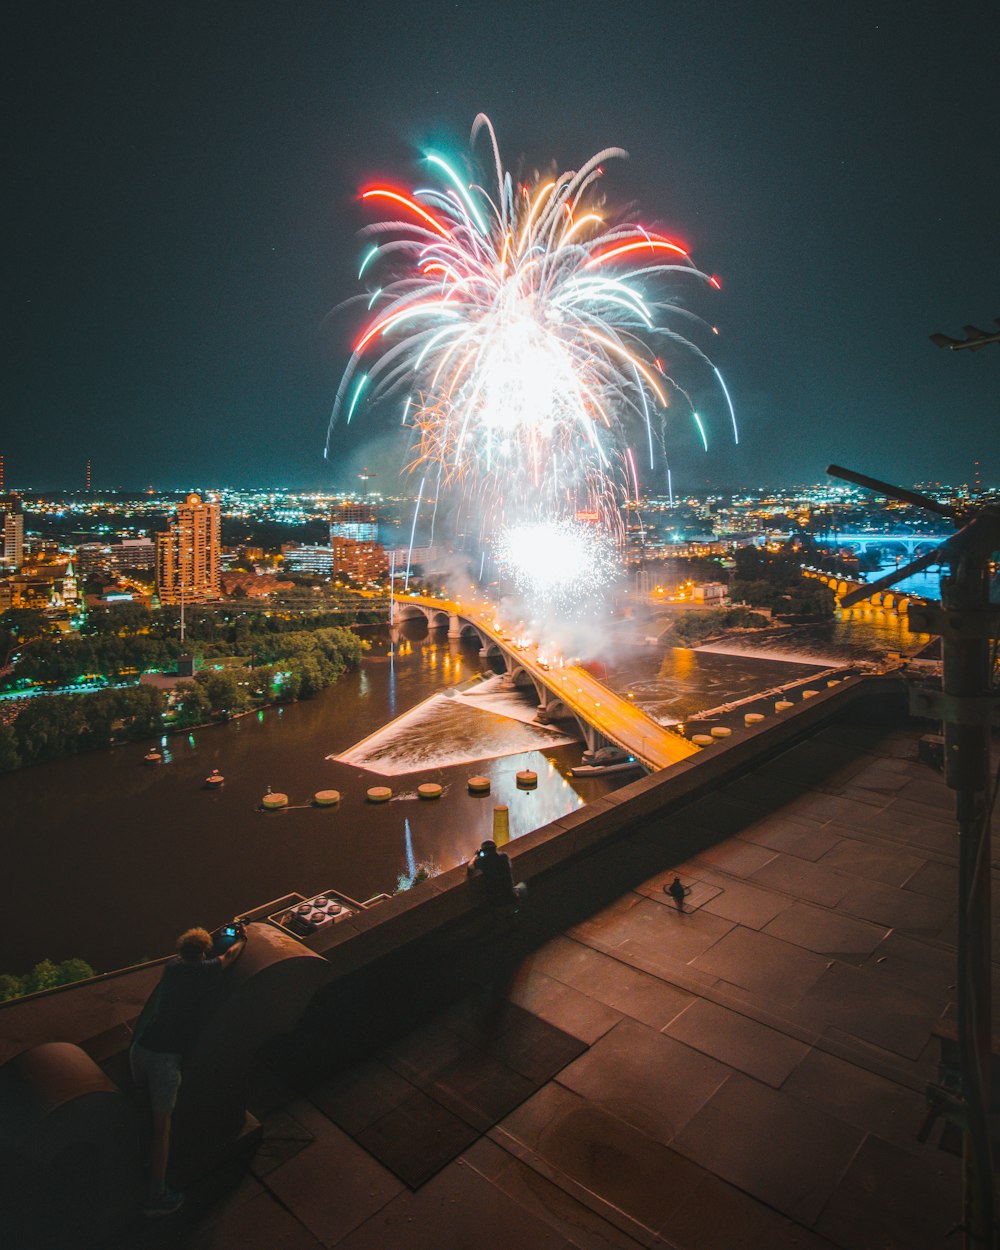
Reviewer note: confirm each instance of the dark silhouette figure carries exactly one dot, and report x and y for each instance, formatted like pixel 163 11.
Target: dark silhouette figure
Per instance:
pixel 498 877
pixel 678 892
pixel 166 1031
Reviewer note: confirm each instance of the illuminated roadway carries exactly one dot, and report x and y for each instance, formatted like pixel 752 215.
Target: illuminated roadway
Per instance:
pixel 616 719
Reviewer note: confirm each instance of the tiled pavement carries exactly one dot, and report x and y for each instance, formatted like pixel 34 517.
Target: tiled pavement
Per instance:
pixel 751 1074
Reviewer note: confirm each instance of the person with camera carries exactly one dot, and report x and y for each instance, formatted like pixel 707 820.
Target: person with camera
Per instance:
pixel 165 1034
pixel 498 877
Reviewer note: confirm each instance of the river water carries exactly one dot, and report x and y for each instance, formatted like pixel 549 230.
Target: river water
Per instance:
pixel 108 858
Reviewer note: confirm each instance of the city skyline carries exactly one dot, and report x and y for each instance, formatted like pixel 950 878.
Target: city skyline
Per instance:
pixel 188 218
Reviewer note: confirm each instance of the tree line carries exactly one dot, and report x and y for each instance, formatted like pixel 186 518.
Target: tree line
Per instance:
pixel 274 666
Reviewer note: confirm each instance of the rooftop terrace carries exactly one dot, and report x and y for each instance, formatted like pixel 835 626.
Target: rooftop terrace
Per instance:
pixel 748 1073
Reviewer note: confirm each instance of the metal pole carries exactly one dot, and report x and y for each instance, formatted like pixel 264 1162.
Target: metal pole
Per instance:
pixel 967 676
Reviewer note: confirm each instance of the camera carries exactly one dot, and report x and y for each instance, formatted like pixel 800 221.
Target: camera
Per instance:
pixel 235 928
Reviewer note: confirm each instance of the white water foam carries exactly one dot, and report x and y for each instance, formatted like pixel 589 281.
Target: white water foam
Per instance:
pixel 452 728
pixel 780 657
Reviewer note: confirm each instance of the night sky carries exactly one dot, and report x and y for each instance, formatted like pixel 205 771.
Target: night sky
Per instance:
pixel 181 189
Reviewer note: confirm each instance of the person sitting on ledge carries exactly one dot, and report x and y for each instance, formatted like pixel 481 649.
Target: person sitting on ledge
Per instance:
pixel 494 867
pixel 167 1030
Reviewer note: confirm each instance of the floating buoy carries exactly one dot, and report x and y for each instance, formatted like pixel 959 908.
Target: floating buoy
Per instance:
pixel 752 718
pixel 274 801
pixel 782 705
pixel 153 757
pixel 526 779
pixel 214 779
pixel 326 798
pixel 429 790
pixel 721 731
pixel 702 740
pixel 809 694
pixel 479 785
pixel 379 794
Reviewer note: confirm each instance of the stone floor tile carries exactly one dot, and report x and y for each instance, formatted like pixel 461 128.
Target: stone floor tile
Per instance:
pixel 889 864
pixel 480 1089
pixel 333 1186
pixel 930 791
pixel 536 1049
pixel 859 1002
pixel 420 1055
pixel 772 1146
pixel 803 880
pixel 282 1136
pixel 260 1224
pixel 652 927
pixel 634 993
pixel 776 969
pixel 896 908
pixel 717 1216
pixel 848 813
pixel 890 1198
pixel 859 1097
pixel 568 1009
pixel 934 879
pixel 362 1094
pixel 699 890
pixel 621 1165
pixel 737 1041
pixel 741 859
pixel 586 1222
pixel 883 775
pixel 458 1210
pixel 746 904
pixel 792 835
pixel 645 1078
pixel 826 932
pixel 418 1138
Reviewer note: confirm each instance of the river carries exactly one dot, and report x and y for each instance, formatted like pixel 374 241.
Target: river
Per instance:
pixel 108 858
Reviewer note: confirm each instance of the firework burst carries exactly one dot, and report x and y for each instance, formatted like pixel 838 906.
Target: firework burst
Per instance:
pixel 528 331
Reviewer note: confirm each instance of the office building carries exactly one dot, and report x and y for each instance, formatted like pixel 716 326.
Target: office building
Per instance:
pixel 307 558
pixel 187 556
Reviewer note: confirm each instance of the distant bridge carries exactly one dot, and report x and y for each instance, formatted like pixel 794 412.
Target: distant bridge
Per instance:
pixel 911 544
pixel 563 692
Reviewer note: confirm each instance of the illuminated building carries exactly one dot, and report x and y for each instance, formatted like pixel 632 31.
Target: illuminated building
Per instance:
pixel 187 556
pixel 357 521
pixel 11 532
pixel 306 558
pixel 362 561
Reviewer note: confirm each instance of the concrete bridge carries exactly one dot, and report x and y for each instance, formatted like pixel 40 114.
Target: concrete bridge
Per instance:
pixel 564 692
pixel 911 544
pixel 889 600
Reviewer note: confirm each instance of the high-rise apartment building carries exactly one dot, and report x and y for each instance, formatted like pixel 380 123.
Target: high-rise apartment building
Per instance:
pixel 364 562
pixel 187 556
pixel 11 532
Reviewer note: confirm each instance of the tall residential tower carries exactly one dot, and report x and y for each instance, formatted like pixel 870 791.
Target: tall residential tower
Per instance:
pixel 187 556
pixel 11 532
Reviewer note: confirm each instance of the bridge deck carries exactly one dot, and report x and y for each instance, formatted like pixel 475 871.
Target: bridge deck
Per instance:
pixel 617 719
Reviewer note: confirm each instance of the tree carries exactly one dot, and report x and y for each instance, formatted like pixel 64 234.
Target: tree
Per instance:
pixel 44 976
pixel 10 987
pixel 10 757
